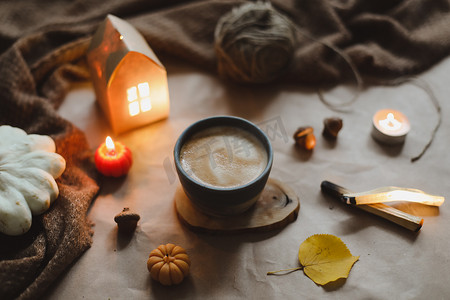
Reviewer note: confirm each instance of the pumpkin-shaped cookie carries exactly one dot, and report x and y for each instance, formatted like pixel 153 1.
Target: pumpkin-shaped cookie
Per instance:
pixel 28 168
pixel 168 264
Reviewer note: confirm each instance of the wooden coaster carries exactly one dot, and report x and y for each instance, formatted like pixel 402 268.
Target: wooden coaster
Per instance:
pixel 277 206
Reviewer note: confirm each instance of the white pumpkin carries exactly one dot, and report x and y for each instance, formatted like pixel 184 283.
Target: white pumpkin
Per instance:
pixel 28 168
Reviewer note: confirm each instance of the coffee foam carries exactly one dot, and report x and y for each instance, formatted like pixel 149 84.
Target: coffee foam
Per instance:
pixel 223 156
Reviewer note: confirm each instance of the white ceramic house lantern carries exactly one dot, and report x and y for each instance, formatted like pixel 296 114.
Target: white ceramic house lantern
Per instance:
pixel 129 81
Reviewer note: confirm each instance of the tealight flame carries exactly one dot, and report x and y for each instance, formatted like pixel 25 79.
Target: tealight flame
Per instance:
pixel 390 123
pixel 110 145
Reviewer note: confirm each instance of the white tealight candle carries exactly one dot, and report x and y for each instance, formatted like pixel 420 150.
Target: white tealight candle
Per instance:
pixel 390 126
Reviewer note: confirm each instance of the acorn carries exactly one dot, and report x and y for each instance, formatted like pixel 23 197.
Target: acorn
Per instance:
pixel 331 128
pixel 304 137
pixel 126 220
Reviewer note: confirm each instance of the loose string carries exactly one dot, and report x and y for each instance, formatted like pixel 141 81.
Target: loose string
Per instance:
pixel 343 107
pixel 358 79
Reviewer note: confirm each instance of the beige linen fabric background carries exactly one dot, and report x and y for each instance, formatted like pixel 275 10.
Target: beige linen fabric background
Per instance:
pixel 43 43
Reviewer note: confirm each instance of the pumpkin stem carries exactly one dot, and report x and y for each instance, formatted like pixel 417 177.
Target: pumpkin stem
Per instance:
pixel 287 271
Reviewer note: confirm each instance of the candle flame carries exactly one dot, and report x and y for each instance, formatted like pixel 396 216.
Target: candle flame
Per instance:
pixel 390 123
pixel 110 144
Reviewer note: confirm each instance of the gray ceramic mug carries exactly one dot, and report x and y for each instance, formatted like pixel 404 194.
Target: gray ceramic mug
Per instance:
pixel 215 200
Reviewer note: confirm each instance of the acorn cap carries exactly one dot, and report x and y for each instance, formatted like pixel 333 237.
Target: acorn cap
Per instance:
pixel 126 220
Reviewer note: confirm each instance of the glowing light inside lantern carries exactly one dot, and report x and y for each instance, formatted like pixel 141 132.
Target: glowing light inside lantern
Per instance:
pixel 132 94
pixel 390 123
pixel 139 99
pixel 144 90
pixel 121 37
pixel 146 105
pixel 110 145
pixel 133 107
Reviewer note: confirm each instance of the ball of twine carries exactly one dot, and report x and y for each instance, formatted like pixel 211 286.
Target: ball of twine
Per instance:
pixel 254 43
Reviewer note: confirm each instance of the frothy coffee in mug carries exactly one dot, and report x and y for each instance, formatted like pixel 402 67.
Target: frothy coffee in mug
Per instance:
pixel 223 156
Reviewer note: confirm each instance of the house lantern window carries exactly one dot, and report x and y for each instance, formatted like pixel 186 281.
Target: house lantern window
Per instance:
pixel 139 99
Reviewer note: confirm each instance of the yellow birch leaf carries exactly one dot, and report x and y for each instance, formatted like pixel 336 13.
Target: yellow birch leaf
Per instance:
pixel 325 258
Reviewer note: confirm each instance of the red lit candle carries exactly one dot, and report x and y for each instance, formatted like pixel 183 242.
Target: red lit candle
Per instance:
pixel 113 158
